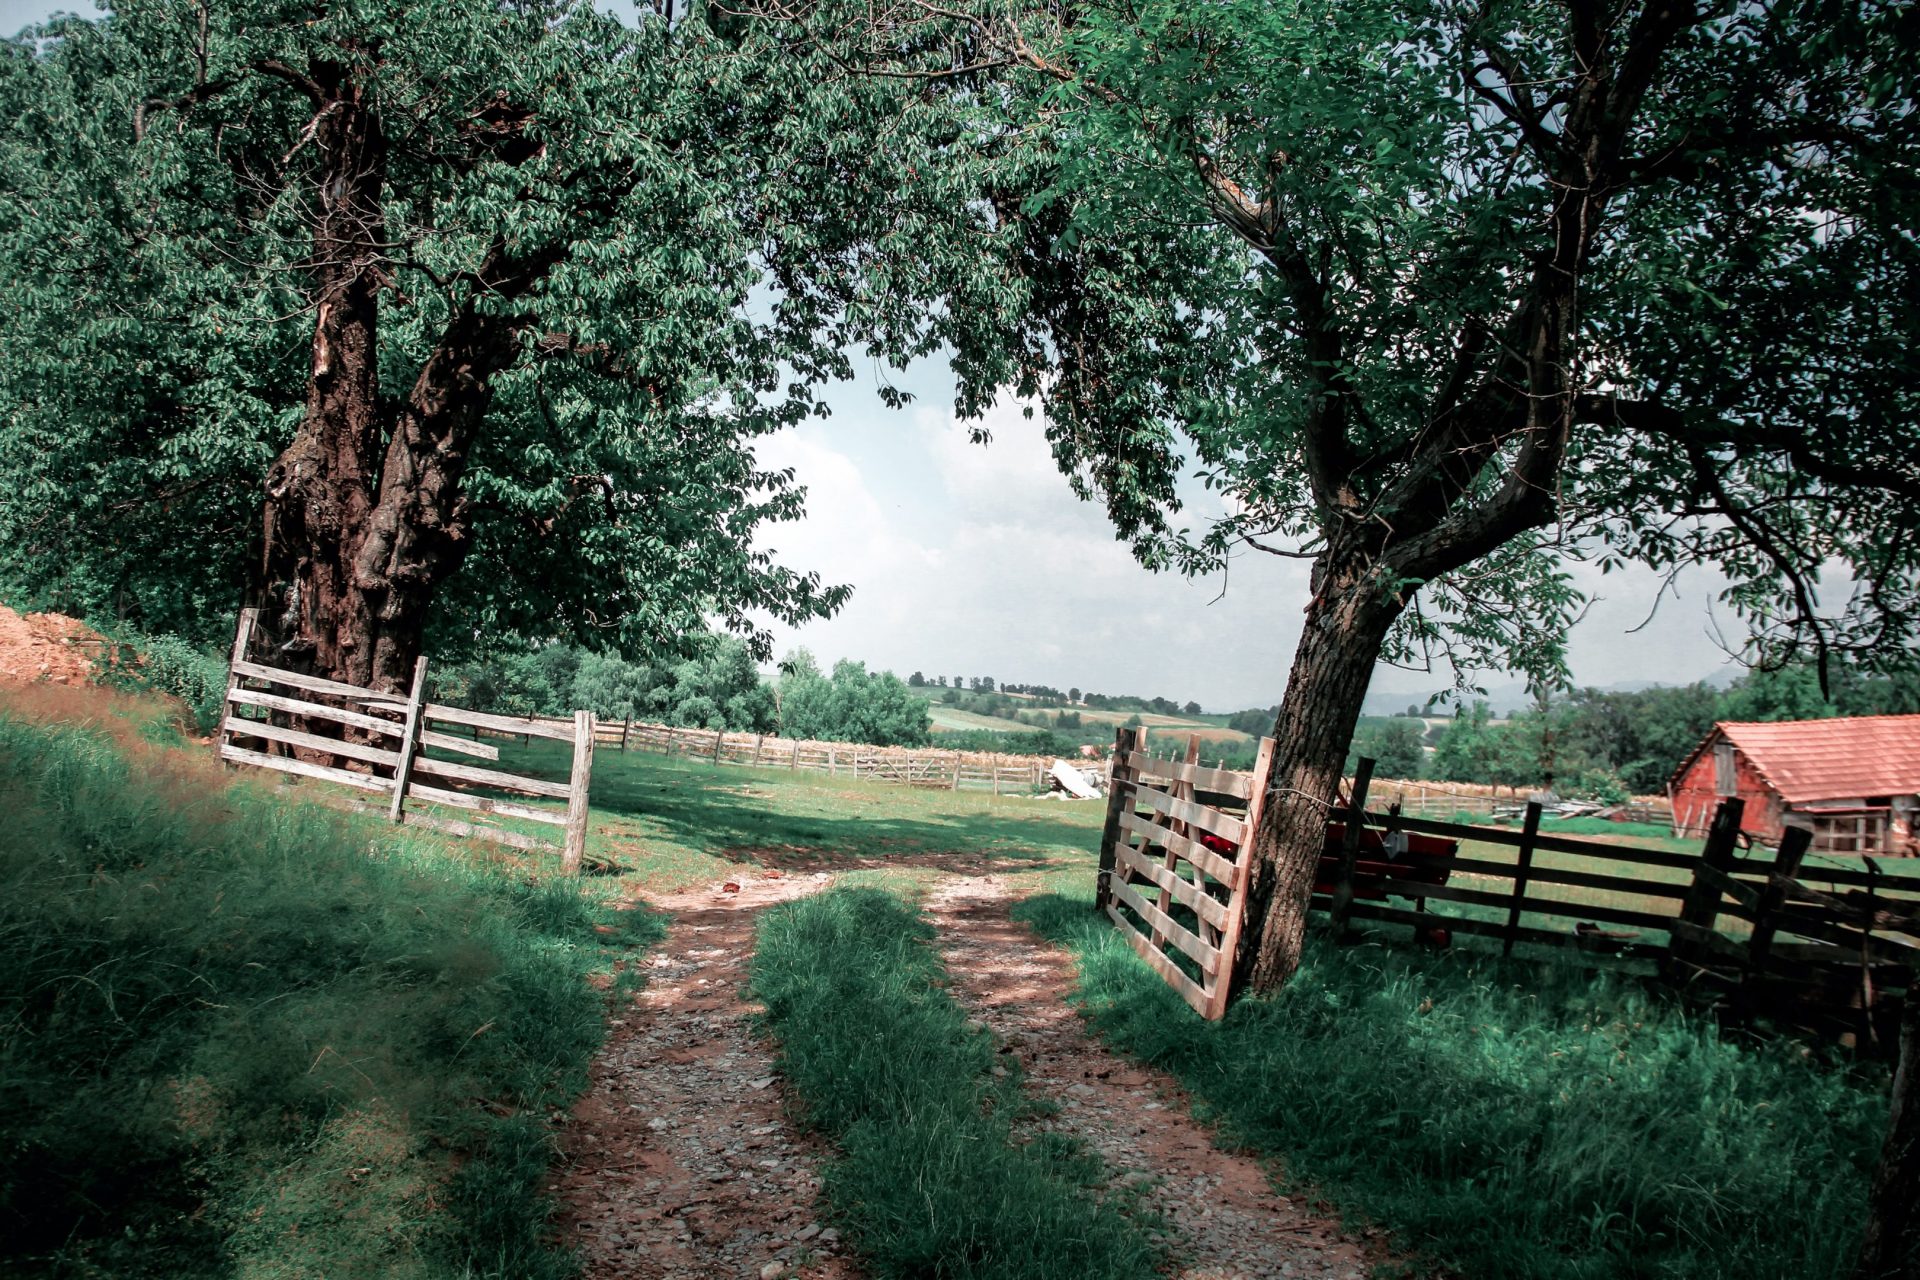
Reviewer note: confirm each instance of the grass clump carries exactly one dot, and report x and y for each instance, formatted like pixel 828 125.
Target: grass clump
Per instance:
pixel 169 665
pixel 246 1037
pixel 1513 1120
pixel 929 1183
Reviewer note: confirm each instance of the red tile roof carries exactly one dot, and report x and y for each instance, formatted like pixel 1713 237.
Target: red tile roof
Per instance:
pixel 1855 756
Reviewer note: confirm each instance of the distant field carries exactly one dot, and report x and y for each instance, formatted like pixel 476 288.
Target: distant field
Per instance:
pixel 954 719
pixel 1180 730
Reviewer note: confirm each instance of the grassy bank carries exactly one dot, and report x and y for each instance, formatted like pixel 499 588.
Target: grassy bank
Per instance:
pixel 1514 1119
pixel 246 1037
pixel 928 1182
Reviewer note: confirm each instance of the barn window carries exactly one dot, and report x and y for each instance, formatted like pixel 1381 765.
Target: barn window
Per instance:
pixel 1724 781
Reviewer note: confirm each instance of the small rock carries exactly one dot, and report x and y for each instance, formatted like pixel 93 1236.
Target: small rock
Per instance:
pixel 773 1270
pixel 807 1232
pixel 763 1082
pixel 830 1236
pixel 658 1123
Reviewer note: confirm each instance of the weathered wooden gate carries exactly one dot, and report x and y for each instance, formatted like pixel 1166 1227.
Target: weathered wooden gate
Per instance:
pixel 257 692
pixel 1176 901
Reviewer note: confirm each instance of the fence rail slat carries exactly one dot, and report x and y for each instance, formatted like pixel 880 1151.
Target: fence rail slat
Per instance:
pixel 487 804
pixel 236 726
pixel 1208 958
pixel 499 724
pixel 285 764
pixel 1190 991
pixel 314 684
pixel 1216 781
pixel 492 778
pixel 1224 825
pixel 1220 868
pixel 1189 894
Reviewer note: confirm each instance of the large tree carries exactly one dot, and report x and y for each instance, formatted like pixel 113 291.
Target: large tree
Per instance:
pixel 1438 296
pixel 394 317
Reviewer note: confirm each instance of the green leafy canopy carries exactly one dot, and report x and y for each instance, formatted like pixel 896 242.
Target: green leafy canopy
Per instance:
pixel 682 188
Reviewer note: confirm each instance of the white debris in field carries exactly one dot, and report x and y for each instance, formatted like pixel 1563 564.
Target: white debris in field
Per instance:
pixel 1073 781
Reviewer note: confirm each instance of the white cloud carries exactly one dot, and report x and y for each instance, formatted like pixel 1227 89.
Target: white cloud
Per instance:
pixel 970 560
pixel 1000 570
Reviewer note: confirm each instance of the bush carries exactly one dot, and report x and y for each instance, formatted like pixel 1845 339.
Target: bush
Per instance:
pixel 173 666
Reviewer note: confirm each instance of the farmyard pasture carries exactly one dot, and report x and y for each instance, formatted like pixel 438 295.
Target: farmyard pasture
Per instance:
pixel 1453 1111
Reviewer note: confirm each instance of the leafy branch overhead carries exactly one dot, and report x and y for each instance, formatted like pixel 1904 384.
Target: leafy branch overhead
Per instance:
pixel 474 304
pixel 1456 294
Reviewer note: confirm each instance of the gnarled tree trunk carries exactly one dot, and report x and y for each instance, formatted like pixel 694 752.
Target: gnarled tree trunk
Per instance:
pixel 1346 624
pixel 364 516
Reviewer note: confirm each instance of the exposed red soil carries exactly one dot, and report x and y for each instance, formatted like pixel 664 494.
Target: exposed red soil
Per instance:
pixel 46 646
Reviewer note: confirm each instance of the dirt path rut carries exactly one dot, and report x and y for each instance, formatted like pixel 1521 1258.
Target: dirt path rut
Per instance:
pixel 680 1162
pixel 1228 1222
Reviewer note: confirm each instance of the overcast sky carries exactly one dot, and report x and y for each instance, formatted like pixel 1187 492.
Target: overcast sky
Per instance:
pixel 968 560
pixel 978 560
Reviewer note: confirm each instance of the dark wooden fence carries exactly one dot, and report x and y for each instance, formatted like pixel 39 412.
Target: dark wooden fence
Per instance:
pixel 270 714
pixel 1831 950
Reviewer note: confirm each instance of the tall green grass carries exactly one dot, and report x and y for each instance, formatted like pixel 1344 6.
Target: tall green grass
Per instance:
pixel 1514 1120
pixel 929 1182
pixel 245 1037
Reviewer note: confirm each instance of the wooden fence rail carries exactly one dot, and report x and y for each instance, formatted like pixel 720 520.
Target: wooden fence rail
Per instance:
pixel 270 714
pixel 1828 950
pixel 910 766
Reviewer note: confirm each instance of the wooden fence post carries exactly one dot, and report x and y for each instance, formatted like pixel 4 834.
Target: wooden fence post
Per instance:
pixel 1528 831
pixel 1786 866
pixel 1350 845
pixel 626 731
pixel 719 740
pixel 409 739
pixel 759 745
pixel 242 641
pixel 1701 907
pixel 1119 794
pixel 577 788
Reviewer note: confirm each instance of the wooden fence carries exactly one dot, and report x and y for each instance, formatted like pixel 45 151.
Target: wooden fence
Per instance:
pixel 270 714
pixel 1828 950
pixel 912 766
pixel 1152 847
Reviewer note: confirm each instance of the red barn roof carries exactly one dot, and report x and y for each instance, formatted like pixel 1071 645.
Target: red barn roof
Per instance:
pixel 1804 760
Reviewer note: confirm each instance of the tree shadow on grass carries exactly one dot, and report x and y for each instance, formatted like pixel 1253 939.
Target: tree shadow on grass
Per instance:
pixel 1509 1119
pixel 758 816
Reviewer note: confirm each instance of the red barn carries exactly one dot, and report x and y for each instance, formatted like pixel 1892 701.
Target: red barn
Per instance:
pixel 1854 781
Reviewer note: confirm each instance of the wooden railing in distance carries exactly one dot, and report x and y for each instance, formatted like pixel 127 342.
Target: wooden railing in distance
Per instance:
pixel 929 767
pixel 264 703
pixel 1158 812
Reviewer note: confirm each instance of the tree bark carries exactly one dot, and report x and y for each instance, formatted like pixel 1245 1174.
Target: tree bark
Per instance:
pixel 320 490
pixel 1347 623
pixel 364 515
pixel 1891 1249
